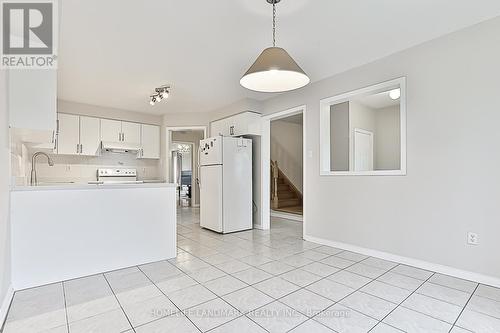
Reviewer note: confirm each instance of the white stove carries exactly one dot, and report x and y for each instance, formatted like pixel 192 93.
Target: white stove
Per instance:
pixel 117 176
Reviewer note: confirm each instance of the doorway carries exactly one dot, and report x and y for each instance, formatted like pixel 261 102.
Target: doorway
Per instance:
pixel 182 171
pixel 181 165
pixel 283 166
pixel 286 167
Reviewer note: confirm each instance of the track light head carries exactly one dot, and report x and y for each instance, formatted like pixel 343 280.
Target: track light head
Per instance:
pixel 159 94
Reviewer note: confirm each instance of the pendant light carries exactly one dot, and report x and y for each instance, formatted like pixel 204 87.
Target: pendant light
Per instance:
pixel 274 70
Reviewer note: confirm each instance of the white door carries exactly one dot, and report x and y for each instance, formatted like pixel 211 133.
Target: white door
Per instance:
pixel 211 197
pixel 69 133
pixel 363 150
pixel 111 130
pixel 131 133
pixel 89 136
pixel 150 141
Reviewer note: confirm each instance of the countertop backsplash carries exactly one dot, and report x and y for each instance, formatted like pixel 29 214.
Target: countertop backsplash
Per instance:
pixel 79 169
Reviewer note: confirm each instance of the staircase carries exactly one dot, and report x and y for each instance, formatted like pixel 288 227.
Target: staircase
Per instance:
pixel 285 197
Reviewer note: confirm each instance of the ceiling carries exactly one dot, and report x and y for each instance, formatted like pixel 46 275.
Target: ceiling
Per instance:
pixel 113 53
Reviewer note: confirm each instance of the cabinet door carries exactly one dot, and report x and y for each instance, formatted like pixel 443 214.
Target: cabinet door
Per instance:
pixel 89 136
pixel 237 122
pixel 150 141
pixel 111 130
pixel 219 127
pixel 69 134
pixel 131 133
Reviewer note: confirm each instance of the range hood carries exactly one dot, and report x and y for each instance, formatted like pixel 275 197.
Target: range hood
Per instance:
pixel 119 147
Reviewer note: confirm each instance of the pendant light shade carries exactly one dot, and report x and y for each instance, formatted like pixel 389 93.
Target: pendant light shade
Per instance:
pixel 274 71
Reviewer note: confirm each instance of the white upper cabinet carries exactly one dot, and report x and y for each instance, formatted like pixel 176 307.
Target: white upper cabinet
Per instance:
pixel 82 135
pixel 78 135
pixel 33 99
pixel 90 138
pixel 111 130
pixel 68 139
pixel 220 127
pixel 120 131
pixel 131 133
pixel 150 135
pixel 245 123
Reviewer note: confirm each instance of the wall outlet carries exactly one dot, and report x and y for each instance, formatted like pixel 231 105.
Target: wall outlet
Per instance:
pixel 472 238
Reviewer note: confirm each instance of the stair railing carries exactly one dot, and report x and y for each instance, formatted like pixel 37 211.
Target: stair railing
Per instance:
pixel 274 183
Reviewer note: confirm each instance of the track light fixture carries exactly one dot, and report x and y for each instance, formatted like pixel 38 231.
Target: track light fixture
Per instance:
pixel 159 94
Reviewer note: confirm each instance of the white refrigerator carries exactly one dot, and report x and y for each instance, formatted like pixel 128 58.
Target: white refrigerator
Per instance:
pixel 225 184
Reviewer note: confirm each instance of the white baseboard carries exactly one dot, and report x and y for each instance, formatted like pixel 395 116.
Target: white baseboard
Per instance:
pixel 6 304
pixel 438 268
pixel 283 215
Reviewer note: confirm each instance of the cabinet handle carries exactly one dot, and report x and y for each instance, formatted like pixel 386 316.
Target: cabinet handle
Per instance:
pixel 81 148
pixel 77 148
pixel 123 136
pixel 231 130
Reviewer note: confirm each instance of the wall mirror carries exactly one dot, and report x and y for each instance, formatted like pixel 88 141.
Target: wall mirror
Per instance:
pixel 363 132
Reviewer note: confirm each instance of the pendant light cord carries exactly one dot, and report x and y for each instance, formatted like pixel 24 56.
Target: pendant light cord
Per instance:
pixel 274 23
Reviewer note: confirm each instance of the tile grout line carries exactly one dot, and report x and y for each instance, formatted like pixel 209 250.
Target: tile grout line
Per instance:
pixel 400 304
pixel 354 291
pixel 65 306
pixel 116 297
pixel 180 310
pixel 463 309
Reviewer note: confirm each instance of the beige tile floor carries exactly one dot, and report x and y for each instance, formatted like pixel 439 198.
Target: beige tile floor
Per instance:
pixel 258 281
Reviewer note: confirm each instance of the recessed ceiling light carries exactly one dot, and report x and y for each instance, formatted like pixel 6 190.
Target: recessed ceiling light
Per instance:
pixel 395 94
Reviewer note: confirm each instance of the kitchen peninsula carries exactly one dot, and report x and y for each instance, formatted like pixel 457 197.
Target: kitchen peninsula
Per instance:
pixel 69 231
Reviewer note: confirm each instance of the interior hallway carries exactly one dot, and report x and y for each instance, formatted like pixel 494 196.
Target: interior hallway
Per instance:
pixel 258 281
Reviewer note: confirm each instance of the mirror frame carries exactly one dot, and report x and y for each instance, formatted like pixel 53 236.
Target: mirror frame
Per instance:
pixel 324 130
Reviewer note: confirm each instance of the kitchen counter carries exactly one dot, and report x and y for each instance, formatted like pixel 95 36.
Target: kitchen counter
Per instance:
pixel 76 186
pixel 72 230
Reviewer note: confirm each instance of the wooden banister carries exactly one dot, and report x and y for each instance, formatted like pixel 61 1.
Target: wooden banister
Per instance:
pixel 274 183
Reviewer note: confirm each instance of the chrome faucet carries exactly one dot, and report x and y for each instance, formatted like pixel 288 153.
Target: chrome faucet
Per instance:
pixel 33 180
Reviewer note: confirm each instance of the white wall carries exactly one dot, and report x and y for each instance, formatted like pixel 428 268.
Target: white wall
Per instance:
pixel 286 148
pixel 105 112
pixel 5 266
pixel 245 104
pixel 452 183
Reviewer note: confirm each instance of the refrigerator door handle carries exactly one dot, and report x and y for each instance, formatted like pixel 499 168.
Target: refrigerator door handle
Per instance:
pixel 199 167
